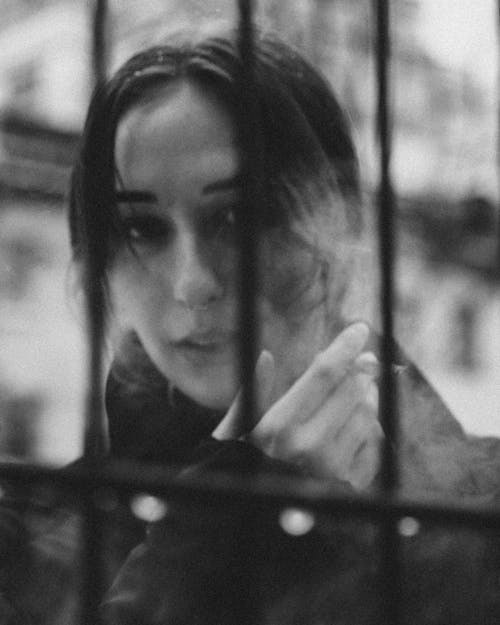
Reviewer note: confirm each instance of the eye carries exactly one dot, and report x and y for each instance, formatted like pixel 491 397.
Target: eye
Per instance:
pixel 220 223
pixel 145 230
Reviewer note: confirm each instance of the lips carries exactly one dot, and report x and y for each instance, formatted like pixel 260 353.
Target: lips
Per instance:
pixel 197 346
pixel 206 343
pixel 204 339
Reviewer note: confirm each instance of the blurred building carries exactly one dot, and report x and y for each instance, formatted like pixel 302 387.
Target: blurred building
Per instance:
pixel 44 84
pixel 442 135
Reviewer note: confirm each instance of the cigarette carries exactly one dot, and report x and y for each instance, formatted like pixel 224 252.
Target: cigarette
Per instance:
pixel 369 364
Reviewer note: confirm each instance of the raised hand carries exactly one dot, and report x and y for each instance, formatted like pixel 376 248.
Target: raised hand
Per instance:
pixel 327 423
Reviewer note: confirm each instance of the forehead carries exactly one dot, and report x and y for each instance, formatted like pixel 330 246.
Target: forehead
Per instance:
pixel 179 128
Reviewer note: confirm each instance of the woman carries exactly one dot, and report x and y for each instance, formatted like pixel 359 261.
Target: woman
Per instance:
pixel 157 186
pixel 166 176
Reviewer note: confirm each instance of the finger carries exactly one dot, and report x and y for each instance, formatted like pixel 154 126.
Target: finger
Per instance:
pixel 362 426
pixel 326 372
pixel 355 442
pixel 350 396
pixel 265 376
pixel 308 440
pixel 367 363
pixel 333 438
pixel 366 464
pixel 232 425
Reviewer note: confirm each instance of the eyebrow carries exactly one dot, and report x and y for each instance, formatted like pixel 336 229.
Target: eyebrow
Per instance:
pixel 227 184
pixel 134 196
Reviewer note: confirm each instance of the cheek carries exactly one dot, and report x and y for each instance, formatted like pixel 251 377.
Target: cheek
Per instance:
pixel 293 345
pixel 222 259
pixel 292 277
pixel 135 296
pixel 274 331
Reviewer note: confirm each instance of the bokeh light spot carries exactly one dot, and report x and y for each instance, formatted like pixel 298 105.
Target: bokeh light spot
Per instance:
pixel 148 508
pixel 296 522
pixel 408 526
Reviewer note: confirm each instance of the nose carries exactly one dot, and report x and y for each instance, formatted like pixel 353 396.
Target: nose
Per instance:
pixel 195 283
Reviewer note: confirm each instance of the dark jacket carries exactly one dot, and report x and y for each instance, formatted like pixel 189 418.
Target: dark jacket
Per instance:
pixel 210 565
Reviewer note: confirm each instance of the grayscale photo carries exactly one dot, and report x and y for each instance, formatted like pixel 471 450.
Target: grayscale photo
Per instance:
pixel 250 312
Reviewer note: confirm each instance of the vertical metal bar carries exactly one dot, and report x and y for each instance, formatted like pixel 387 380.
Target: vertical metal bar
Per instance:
pixel 94 438
pixel 99 47
pixel 386 246
pixel 94 442
pixel 250 171
pixel 391 609
pixel 497 222
pixel 247 605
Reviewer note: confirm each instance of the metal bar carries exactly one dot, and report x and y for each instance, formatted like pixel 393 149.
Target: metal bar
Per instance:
pixel 94 438
pixel 251 172
pixel 246 601
pixel 99 47
pixel 497 221
pixel 386 234
pixel 128 477
pixel 92 565
pixel 389 537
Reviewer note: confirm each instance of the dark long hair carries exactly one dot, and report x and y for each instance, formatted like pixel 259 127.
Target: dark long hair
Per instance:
pixel 307 143
pixel 299 116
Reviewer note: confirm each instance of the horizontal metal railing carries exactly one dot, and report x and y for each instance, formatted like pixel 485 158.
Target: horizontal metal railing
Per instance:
pixel 128 477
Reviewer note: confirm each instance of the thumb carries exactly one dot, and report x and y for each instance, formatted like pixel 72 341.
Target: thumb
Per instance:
pixel 232 425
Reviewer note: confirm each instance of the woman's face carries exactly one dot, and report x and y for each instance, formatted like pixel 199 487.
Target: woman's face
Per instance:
pixel 176 284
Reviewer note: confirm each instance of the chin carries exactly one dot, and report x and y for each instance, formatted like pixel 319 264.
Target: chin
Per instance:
pixel 209 395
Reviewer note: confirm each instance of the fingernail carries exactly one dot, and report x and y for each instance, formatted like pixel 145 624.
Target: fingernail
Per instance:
pixel 367 363
pixel 265 380
pixel 265 353
pixel 264 367
pixel 264 358
pixel 357 334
